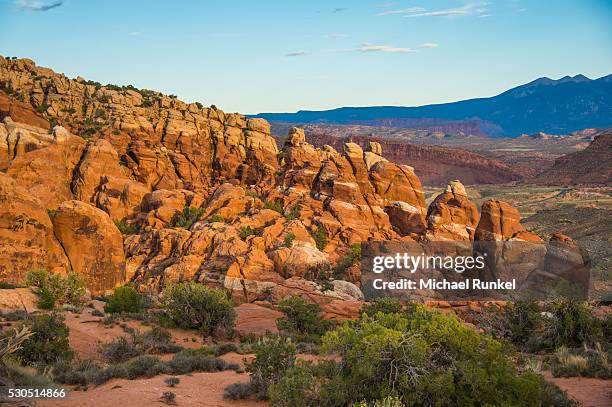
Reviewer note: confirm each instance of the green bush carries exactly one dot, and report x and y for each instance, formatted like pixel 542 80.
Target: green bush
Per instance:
pixel 534 327
pixel 54 288
pixel 215 218
pixel 84 372
pixel 247 231
pixel 124 299
pixel 124 228
pixel 386 305
pixel 351 259
pixel 423 356
pixel 274 355
pixel 172 381
pixel 390 401
pixel 289 239
pixel 119 350
pixel 302 320
pixel 192 305
pixel 320 237
pixel 238 391
pixel 585 362
pixel 187 218
pixel 48 344
pixel 292 214
pixel 276 205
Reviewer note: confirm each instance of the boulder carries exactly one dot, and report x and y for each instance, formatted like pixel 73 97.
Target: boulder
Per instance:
pixel 452 216
pixel 27 241
pixel 93 245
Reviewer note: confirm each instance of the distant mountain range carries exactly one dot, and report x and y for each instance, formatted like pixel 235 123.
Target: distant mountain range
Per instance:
pixel 552 106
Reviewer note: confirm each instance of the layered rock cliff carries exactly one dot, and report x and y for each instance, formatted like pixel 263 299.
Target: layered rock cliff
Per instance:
pixel 199 194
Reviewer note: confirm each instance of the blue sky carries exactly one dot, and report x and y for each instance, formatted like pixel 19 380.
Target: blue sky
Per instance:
pixel 282 56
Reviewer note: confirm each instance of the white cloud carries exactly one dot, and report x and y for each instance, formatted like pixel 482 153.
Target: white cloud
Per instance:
pixel 429 45
pixel 382 48
pixel 440 13
pixel 403 11
pixel 468 9
pixel 136 33
pixel 336 35
pixel 485 15
pixel 296 54
pixel 33 5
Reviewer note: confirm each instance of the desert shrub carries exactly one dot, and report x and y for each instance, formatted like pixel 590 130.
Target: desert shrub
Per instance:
pixel 320 236
pixel 124 299
pixel 274 355
pixel 390 401
pixel 302 321
pixel 569 323
pixel 84 372
pixel 585 361
pixel 247 231
pixel 54 288
pixel 309 384
pixel 194 306
pixel 42 108
pixel 168 398
pixel 48 343
pixel 289 239
pixel 353 256
pixel 224 348
pixel 16 315
pixel 156 341
pixel 421 356
pixel 172 381
pixel 80 372
pixel 119 350
pixel 275 205
pixel 124 228
pixel 215 218
pixel 534 327
pixel 386 305
pixel 187 218
pixel 4 285
pixel 553 396
pixel 293 213
pixel 238 391
pixel 187 362
pixel 199 105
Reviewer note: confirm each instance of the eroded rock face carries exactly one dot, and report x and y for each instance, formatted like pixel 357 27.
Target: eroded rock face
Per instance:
pixel 92 244
pixel 267 220
pixel 26 234
pixel 452 216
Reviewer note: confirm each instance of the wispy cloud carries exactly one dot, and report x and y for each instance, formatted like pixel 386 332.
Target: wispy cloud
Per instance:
pixel 338 10
pixel 296 54
pixel 336 35
pixel 440 13
pixel 382 48
pixel 136 33
pixel 32 5
pixel 468 9
pixel 485 15
pixel 429 45
pixel 410 10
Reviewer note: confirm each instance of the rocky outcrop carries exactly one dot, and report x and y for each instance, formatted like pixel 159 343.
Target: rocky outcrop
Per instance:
pixel 206 196
pixel 452 216
pixel 27 241
pixel 434 165
pixel 92 244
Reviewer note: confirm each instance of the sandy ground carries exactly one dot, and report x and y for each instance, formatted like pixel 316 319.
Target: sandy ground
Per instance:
pixel 588 391
pixel 198 389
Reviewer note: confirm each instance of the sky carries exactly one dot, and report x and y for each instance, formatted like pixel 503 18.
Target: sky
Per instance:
pixel 282 56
